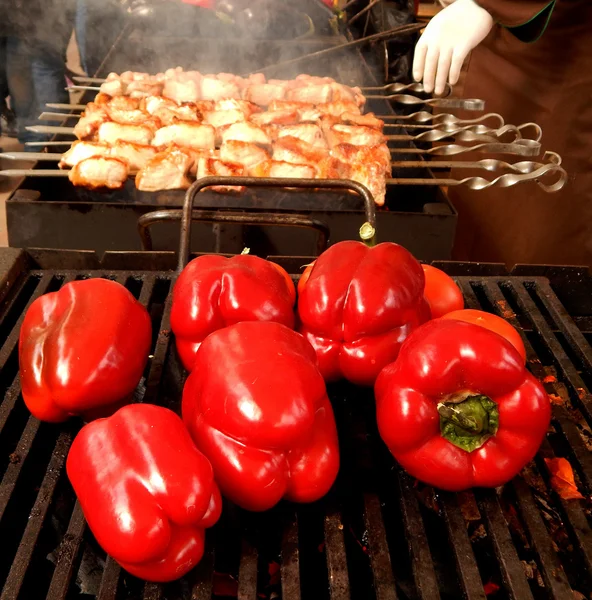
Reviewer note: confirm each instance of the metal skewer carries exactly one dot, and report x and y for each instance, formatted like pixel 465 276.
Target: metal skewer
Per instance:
pixel 472 104
pixel 51 143
pixel 43 156
pixel 519 148
pixel 82 88
pixel 504 181
pixel 85 79
pixel 397 88
pixel 487 164
pixel 474 183
pixel 60 106
pixel 426 117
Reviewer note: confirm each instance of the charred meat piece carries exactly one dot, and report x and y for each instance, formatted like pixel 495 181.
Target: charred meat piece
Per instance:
pixel 167 170
pixel 294 150
pixel 124 103
pixel 276 117
pixel 209 167
pixel 135 155
pixel 81 150
pixel 290 105
pixel 245 132
pixel 213 88
pixel 350 154
pixel 344 93
pixel 111 132
pixel 307 132
pixel 277 168
pixel 243 153
pixel 264 94
pixel 98 172
pixel 357 135
pixel 192 135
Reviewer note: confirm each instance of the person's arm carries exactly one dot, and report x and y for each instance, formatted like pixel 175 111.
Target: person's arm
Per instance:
pixel 463 25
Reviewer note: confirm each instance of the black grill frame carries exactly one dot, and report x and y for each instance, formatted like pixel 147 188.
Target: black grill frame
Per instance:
pixel 383 536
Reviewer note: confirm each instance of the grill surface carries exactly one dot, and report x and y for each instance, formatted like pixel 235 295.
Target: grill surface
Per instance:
pixel 378 534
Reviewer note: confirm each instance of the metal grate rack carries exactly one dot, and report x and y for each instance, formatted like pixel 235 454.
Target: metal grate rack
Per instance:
pixel 378 534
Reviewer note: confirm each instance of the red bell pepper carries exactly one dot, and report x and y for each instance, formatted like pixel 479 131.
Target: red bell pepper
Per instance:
pixel 256 406
pixel 146 491
pixel 458 408
pixel 82 350
pixel 213 292
pixel 357 307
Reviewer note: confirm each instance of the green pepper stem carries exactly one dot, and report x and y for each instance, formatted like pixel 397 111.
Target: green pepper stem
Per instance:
pixel 458 418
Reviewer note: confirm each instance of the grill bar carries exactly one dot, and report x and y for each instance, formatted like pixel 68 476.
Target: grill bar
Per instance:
pixel 356 503
pixel 511 569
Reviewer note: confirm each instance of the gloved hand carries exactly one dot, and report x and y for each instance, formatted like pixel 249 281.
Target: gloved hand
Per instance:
pixel 446 42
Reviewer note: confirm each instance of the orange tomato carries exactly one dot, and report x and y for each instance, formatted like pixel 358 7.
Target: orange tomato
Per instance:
pixel 491 322
pixel 304 277
pixel 441 293
pixel 289 282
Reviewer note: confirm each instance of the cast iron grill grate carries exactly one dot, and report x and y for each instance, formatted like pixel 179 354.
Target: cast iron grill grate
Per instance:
pixel 378 534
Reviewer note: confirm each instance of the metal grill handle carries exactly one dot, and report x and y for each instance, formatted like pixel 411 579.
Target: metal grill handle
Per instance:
pixel 211 216
pixel 367 230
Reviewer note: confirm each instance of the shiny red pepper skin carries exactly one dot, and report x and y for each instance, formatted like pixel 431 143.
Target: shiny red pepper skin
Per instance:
pixel 145 490
pixel 256 406
pixel 213 292
pixel 445 357
pixel 358 306
pixel 82 350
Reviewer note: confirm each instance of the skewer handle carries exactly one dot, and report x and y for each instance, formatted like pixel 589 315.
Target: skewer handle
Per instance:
pixel 55 116
pixel 44 144
pixel 60 106
pixel 82 88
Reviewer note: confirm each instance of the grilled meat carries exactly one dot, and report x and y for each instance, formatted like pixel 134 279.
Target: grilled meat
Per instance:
pixel 277 168
pixel 90 121
pixel 111 132
pixel 98 172
pixel 192 135
pixel 245 132
pixel 265 93
pixel 313 94
pixel 243 153
pixel 208 167
pixel 294 150
pixel 276 117
pixel 350 154
pixel 307 132
pixel 128 117
pixel 220 118
pixel 167 170
pixel 81 150
pixel 215 89
pixel 357 135
pixel 182 89
pixel 135 155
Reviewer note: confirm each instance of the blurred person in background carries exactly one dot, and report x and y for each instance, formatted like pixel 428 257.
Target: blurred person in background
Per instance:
pixel 531 60
pixel 36 35
pixel 7 116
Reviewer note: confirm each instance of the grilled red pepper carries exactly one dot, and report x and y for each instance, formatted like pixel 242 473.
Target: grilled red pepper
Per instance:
pixel 256 406
pixel 213 292
pixel 458 408
pixel 82 350
pixel 145 490
pixel 357 307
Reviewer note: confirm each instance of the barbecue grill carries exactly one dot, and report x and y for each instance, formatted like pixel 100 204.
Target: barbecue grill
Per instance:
pixel 378 534
pixel 49 212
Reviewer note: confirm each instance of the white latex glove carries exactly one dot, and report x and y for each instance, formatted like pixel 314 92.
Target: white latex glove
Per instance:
pixel 447 41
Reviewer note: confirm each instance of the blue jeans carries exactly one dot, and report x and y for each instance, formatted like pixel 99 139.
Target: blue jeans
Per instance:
pixel 36 75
